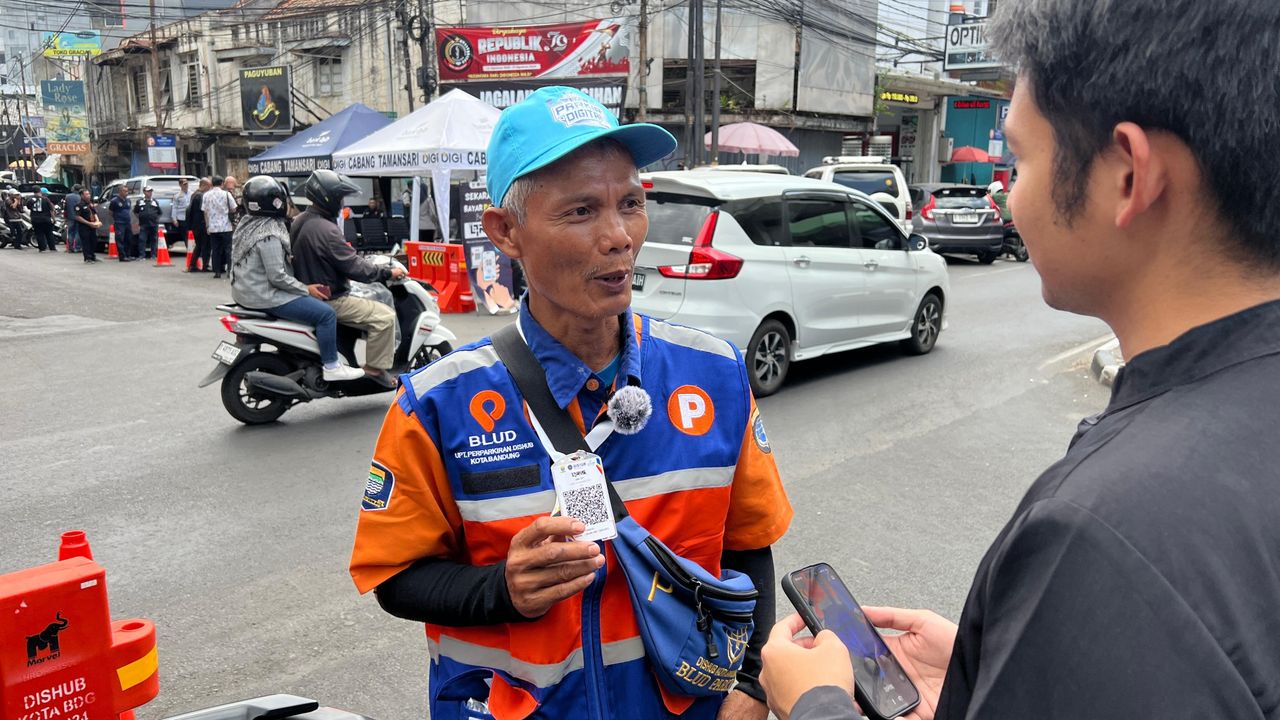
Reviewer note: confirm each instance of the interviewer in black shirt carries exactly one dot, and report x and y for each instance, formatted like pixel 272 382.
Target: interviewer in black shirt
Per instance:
pixel 1140 575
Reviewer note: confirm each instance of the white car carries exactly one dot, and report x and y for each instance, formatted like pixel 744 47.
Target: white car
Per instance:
pixel 785 268
pixel 875 176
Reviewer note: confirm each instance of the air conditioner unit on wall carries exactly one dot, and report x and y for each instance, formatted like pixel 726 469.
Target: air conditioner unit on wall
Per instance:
pixel 946 146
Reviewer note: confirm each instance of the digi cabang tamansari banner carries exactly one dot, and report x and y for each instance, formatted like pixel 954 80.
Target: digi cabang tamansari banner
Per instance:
pixel 563 50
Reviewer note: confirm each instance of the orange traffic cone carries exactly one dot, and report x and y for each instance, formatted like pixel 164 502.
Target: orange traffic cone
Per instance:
pixel 191 251
pixel 162 252
pixel 111 242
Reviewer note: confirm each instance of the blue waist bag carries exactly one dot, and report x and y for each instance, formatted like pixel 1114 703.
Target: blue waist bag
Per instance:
pixel 695 626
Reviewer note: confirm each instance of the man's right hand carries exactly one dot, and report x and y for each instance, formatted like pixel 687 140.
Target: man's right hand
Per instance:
pixel 318 291
pixel 923 649
pixel 542 569
pixel 397 273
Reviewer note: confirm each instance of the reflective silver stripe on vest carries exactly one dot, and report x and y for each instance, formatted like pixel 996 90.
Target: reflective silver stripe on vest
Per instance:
pixel 451 367
pixel 538 674
pixel 691 338
pixel 505 508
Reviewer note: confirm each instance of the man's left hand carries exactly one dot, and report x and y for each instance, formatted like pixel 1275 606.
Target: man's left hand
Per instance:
pixel 741 706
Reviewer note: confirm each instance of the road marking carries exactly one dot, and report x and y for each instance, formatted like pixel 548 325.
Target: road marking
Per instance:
pixel 989 272
pixel 1083 347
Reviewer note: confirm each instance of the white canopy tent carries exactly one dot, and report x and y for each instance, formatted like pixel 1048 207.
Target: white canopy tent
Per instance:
pixel 449 133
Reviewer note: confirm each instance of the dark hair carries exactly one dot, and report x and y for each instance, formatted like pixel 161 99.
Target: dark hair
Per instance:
pixel 217 181
pixel 1202 70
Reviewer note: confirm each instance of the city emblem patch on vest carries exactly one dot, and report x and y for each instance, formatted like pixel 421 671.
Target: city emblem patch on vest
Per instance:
pixel 757 430
pixel 377 491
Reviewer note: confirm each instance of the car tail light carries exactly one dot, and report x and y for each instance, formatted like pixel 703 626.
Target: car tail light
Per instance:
pixel 908 211
pixel 926 212
pixel 995 206
pixel 231 323
pixel 646 184
pixel 705 262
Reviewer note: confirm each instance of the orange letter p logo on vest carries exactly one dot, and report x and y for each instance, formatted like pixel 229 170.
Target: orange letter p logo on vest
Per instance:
pixel 690 410
pixel 488 417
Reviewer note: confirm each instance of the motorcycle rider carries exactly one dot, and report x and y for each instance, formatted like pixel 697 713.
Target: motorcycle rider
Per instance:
pixel 261 278
pixel 322 256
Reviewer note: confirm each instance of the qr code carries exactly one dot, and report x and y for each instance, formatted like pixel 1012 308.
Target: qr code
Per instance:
pixel 587 504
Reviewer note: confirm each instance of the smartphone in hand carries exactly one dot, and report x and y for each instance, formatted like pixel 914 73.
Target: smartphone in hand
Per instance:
pixel 326 292
pixel 881 686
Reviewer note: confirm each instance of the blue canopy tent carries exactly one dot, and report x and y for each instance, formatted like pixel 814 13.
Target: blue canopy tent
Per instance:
pixel 313 148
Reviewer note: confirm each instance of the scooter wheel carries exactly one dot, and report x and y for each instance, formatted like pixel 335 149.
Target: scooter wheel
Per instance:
pixel 246 405
pixel 429 354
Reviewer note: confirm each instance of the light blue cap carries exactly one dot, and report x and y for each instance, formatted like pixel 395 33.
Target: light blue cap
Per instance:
pixel 553 122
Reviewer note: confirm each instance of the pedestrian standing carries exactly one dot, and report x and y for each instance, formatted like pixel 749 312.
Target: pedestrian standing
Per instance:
pixel 229 183
pixel 181 203
pixel 41 211
pixel 72 228
pixel 219 208
pixel 199 231
pixel 85 223
pixel 13 218
pixel 122 221
pixel 148 212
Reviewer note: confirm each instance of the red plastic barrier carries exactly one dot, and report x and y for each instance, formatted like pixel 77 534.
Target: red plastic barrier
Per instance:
pixel 444 265
pixel 60 654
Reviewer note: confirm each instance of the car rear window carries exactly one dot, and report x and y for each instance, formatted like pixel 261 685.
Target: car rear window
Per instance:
pixel 961 199
pixel 676 219
pixel 163 184
pixel 868 181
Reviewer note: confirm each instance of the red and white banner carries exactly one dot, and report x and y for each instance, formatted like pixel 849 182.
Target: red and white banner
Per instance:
pixel 564 50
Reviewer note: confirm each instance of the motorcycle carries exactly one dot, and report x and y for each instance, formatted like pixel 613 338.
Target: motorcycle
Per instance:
pixel 1013 245
pixel 274 364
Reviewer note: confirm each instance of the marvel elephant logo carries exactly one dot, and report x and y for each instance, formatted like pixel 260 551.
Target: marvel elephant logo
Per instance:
pixel 46 640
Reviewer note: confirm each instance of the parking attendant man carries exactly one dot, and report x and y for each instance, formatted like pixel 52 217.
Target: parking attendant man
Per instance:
pixel 455 527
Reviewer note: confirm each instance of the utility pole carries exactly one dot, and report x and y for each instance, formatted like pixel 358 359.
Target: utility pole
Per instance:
pixel 391 86
pixel 700 87
pixel 425 47
pixel 25 131
pixel 408 58
pixel 155 70
pixel 715 94
pixel 688 91
pixel 644 61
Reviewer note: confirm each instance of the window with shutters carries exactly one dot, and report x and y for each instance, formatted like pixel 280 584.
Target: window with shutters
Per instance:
pixel 192 80
pixel 328 74
pixel 141 100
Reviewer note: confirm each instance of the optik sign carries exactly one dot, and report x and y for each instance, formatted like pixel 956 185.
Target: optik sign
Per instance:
pixel 967 47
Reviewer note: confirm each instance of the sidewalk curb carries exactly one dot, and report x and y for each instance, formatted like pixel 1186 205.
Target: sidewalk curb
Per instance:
pixel 1106 363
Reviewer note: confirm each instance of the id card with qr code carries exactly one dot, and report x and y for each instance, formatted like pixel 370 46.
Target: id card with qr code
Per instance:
pixel 581 494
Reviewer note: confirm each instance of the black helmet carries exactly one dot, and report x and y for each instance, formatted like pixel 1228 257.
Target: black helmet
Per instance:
pixel 326 188
pixel 266 197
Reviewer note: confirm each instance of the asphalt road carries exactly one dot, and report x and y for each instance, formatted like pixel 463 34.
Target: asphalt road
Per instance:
pixel 235 540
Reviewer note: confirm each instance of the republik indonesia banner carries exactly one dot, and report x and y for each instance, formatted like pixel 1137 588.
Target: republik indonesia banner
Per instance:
pixel 562 50
pixel 66 117
pixel 265 105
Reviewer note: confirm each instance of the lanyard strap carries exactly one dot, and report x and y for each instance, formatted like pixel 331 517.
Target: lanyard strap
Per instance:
pixel 559 435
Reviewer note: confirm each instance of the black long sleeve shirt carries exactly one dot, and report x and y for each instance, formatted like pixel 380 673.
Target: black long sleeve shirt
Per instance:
pixel 1140 576
pixel 321 255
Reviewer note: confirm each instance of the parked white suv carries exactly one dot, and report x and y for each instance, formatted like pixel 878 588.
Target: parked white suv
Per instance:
pixel 786 268
pixel 875 176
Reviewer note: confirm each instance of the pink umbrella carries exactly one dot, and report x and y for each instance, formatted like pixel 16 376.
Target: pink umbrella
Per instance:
pixel 752 139
pixel 970 154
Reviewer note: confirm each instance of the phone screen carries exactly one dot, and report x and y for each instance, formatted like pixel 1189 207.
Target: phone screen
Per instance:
pixel 881 680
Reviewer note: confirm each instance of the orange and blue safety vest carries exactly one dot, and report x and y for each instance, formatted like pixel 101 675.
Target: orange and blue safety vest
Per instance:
pixel 458 470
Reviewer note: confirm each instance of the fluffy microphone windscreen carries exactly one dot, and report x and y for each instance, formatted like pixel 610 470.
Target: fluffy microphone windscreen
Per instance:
pixel 630 408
